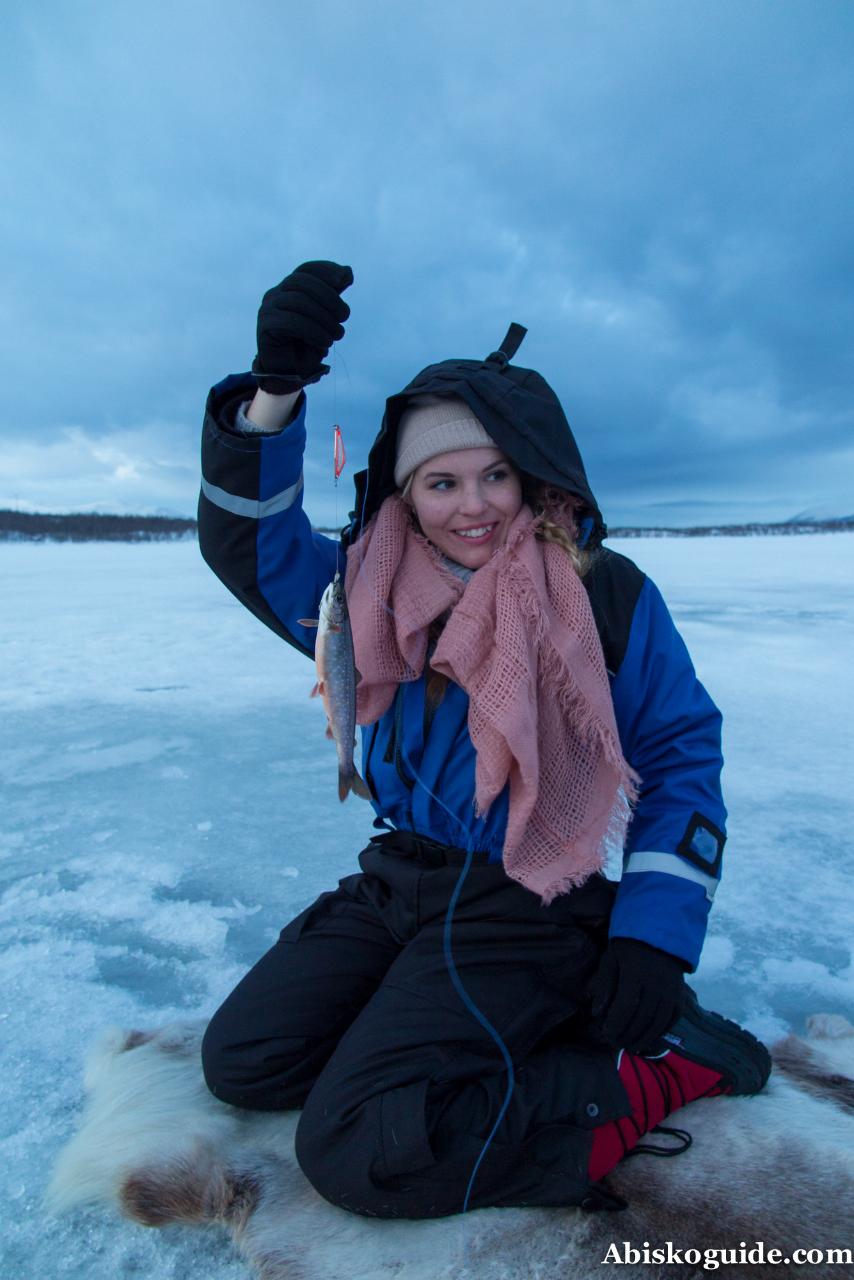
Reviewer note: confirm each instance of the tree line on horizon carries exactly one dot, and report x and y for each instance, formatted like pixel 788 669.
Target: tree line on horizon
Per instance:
pixel 29 526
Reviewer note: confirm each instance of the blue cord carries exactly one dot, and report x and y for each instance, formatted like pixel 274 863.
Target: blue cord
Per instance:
pixel 484 1022
pixel 450 964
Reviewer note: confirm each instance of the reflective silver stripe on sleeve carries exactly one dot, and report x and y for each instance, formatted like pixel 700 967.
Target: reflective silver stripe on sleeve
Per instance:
pixel 671 865
pixel 245 506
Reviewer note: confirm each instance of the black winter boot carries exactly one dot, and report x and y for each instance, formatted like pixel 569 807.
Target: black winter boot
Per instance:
pixel 711 1041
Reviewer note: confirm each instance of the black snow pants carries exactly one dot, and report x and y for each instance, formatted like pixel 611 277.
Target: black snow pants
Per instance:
pixel 353 1016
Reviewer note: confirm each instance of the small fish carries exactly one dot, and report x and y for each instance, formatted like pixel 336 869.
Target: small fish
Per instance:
pixel 337 678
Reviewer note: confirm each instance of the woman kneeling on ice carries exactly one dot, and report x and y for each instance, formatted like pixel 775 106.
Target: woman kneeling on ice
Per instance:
pixel 479 1017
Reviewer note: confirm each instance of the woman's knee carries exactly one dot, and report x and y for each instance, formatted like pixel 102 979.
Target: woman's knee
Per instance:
pixel 221 1063
pixel 360 1155
pixel 254 1074
pixel 336 1163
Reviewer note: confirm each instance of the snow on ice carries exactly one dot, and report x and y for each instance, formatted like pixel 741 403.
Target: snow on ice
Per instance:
pixel 169 799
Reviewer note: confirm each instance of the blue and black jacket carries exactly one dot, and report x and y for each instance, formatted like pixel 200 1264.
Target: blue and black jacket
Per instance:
pixel 257 538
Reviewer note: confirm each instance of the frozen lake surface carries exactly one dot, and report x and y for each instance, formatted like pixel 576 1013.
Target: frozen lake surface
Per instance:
pixel 169 800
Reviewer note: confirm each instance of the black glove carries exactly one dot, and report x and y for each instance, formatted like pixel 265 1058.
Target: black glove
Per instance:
pixel 637 993
pixel 298 321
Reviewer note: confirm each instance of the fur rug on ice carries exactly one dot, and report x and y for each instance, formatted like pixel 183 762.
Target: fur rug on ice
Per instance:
pixel 778 1168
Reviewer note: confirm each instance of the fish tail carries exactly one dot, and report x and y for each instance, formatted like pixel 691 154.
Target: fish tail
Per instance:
pixel 348 782
pixel 361 787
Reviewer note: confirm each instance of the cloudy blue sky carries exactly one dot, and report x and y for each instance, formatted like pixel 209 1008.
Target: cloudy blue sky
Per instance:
pixel 660 190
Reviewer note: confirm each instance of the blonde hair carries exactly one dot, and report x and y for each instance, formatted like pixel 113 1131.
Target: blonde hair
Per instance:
pixel 559 510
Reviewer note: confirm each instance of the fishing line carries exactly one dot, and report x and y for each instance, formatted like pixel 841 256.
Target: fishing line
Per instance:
pixel 339 457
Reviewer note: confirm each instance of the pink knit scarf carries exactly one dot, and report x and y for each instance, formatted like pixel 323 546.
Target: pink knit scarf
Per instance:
pixel 521 640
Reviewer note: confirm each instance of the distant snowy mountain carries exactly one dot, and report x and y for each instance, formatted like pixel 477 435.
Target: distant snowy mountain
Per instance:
pixel 819 513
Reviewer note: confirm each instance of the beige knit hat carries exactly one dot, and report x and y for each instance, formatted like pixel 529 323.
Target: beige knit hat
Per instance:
pixel 431 425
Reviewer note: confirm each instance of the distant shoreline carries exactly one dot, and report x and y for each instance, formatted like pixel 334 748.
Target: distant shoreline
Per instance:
pixel 25 526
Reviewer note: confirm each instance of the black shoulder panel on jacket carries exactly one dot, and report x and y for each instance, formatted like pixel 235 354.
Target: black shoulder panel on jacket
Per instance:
pixel 228 542
pixel 613 584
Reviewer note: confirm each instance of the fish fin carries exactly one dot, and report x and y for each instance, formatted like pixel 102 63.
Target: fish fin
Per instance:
pixel 352 782
pixel 317 691
pixel 329 732
pixel 357 673
pixel 360 787
pixel 309 622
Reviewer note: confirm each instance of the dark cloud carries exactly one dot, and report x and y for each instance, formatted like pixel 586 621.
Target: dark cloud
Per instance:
pixel 660 191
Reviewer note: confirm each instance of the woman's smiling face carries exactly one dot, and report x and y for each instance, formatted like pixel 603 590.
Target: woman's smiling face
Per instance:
pixel 466 501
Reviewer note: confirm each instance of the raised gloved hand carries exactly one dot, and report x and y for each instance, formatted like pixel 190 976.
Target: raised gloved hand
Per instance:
pixel 298 321
pixel 637 993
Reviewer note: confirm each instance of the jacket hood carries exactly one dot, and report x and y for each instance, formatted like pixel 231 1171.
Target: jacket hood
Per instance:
pixel 518 409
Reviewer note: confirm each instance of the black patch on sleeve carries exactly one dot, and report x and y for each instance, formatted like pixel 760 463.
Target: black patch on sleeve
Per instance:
pixel 229 543
pixel 613 583
pixel 702 845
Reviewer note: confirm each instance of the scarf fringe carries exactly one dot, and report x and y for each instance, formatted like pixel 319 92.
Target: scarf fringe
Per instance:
pixel 552 881
pixel 559 679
